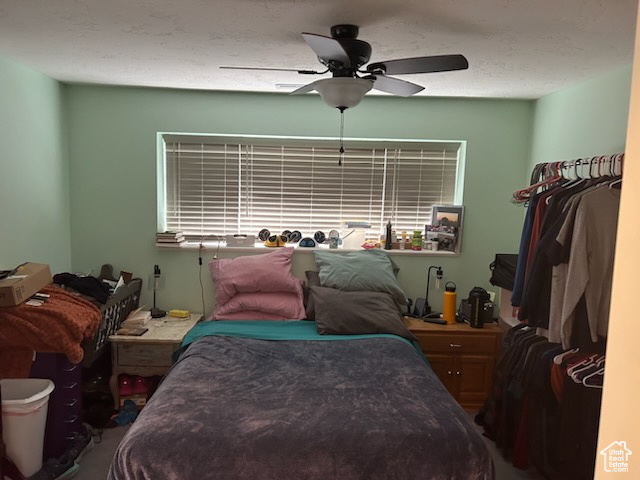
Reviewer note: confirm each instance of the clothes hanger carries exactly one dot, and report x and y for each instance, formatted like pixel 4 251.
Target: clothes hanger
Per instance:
pixel 558 358
pixel 577 180
pixel 592 375
pixel 580 163
pixel 572 172
pixel 602 161
pixel 616 164
pixel 590 366
pixel 579 374
pixel 615 182
pixel 612 170
pixel 612 167
pixel 597 163
pixel 620 160
pixel 552 175
pixel 588 361
pixel 560 180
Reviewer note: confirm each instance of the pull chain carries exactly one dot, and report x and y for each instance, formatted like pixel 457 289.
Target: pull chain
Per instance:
pixel 342 109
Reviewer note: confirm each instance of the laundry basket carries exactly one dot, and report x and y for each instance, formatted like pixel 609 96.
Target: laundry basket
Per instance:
pixel 24 415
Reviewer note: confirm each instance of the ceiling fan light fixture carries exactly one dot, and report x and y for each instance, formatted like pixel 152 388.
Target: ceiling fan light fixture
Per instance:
pixel 343 92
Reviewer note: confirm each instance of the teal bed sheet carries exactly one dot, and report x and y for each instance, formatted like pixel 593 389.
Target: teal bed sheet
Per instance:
pixel 271 330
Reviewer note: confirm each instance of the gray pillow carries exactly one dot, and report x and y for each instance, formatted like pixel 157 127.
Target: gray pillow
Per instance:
pixel 353 313
pixel 313 280
pixel 363 270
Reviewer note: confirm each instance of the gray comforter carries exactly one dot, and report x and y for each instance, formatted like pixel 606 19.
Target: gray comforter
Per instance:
pixel 239 408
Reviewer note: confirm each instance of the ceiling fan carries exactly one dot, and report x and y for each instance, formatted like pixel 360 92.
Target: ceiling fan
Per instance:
pixel 344 56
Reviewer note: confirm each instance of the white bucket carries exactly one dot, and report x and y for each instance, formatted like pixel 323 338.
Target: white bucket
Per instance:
pixel 24 417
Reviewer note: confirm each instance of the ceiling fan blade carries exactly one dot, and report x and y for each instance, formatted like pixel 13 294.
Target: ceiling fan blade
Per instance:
pixel 396 86
pixel 305 89
pixel 434 63
pixel 327 49
pixel 304 72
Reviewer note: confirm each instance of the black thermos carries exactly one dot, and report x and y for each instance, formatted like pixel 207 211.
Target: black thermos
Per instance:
pixel 387 239
pixel 477 298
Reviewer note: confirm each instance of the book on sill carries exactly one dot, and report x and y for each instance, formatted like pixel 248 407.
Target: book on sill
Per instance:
pixel 170 240
pixel 132 331
pixel 137 318
pixel 175 234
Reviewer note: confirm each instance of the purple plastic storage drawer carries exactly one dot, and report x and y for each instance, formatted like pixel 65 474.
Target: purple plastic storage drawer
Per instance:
pixel 64 415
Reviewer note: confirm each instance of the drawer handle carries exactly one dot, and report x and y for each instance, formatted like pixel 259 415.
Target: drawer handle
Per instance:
pixel 71 419
pixel 71 385
pixel 71 403
pixel 455 345
pixel 449 372
pixel 70 368
pixel 457 373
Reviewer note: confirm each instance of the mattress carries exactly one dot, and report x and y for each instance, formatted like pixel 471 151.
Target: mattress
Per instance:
pixel 287 403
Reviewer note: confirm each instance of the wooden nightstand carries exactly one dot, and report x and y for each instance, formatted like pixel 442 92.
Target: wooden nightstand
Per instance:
pixel 462 357
pixel 148 354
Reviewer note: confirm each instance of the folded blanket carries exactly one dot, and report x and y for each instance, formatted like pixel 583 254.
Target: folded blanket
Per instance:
pixel 57 326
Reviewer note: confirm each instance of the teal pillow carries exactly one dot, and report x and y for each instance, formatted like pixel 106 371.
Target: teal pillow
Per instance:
pixel 363 270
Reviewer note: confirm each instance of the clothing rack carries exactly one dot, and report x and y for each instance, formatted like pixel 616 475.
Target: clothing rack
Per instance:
pixel 556 281
pixel 548 174
pixel 544 407
pixel 545 403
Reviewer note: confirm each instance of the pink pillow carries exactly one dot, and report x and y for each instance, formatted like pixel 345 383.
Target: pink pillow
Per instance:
pixel 261 306
pixel 269 272
pixel 286 305
pixel 248 315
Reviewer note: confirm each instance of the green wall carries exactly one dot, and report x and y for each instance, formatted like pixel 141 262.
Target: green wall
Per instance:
pixel 79 199
pixel 113 172
pixel 584 120
pixel 34 178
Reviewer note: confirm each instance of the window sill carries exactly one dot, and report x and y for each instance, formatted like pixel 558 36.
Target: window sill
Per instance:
pixel 211 246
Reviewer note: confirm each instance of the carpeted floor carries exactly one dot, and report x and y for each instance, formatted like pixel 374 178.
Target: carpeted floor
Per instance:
pixel 504 469
pixel 95 463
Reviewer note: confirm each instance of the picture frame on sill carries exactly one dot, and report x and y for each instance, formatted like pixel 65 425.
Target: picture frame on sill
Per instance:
pixel 448 242
pixel 446 227
pixel 447 215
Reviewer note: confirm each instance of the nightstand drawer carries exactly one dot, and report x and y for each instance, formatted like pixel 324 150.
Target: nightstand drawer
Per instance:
pixel 149 355
pixel 464 343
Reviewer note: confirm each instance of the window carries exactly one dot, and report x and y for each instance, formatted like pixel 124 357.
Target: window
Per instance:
pixel 217 185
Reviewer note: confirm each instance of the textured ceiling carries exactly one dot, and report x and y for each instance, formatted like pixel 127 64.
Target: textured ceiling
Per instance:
pixel 516 49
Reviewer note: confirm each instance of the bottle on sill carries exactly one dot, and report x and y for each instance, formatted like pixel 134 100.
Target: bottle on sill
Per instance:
pixel 416 240
pixel 388 238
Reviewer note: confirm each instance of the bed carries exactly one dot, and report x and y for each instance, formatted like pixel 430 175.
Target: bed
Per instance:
pixel 279 401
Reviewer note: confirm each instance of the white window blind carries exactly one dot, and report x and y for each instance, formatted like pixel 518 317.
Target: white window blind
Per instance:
pixel 418 180
pixel 215 187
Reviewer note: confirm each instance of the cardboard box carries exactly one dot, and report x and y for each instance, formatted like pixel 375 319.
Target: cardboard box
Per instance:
pixel 241 240
pixel 30 278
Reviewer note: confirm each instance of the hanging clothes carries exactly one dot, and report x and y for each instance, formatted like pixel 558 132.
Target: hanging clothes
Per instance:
pixel 530 228
pixel 544 406
pixel 590 267
pixel 556 274
pixel 538 414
